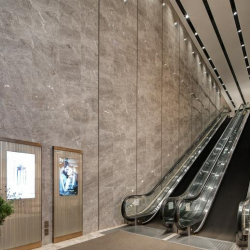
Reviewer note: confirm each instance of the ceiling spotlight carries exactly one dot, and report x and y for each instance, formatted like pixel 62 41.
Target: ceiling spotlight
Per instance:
pixel 235 13
pixel 239 31
pixel 187 16
pixel 196 34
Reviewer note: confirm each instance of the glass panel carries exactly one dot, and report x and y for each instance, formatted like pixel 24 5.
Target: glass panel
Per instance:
pixel 142 205
pixel 193 211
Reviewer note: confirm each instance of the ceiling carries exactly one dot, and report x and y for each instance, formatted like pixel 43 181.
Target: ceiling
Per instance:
pixel 224 47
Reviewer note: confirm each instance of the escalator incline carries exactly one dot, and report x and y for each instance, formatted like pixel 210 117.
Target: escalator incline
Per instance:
pixel 186 180
pixel 189 176
pixel 221 222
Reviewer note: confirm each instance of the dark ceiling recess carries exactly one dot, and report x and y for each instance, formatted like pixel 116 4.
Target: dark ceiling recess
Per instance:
pixel 240 34
pixel 209 12
pixel 205 51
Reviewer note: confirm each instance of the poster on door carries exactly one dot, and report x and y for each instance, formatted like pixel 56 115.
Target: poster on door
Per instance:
pixel 68 176
pixel 20 175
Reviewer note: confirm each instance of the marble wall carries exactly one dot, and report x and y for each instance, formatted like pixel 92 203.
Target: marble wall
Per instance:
pixel 116 79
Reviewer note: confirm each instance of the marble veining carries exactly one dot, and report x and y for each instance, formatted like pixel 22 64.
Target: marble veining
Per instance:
pixel 82 74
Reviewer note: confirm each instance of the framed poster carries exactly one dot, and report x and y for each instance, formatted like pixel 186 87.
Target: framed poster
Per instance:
pixel 68 175
pixel 20 175
pixel 67 213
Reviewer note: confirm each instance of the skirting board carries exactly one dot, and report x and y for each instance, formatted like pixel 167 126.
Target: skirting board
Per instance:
pixel 28 247
pixel 67 237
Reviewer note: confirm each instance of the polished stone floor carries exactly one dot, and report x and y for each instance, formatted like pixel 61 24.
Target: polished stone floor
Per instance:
pixel 194 241
pixel 77 240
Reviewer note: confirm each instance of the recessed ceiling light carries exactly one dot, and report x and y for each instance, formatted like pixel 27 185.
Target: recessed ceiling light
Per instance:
pixel 235 13
pixel 187 16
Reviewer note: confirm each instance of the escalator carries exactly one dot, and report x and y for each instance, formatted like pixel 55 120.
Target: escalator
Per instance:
pixel 209 206
pixel 183 185
pixel 221 221
pixel 156 222
pixel 145 208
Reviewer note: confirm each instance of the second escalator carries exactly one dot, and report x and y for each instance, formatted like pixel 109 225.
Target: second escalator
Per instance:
pixel 221 222
pixel 185 181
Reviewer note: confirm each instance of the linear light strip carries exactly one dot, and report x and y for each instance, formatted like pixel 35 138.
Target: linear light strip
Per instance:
pixel 209 12
pixel 204 49
pixel 240 34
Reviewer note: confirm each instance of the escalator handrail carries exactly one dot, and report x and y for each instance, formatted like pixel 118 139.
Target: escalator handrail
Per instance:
pixel 226 165
pixel 240 229
pixel 239 214
pixel 194 197
pixel 182 198
pixel 179 200
pixel 123 207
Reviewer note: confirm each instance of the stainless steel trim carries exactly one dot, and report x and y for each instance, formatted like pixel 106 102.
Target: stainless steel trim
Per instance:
pixel 209 205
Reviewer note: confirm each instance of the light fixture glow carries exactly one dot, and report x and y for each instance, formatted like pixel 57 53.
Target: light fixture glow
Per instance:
pixel 163 4
pixel 175 23
pixel 187 16
pixel 239 31
pixel 196 33
pixel 242 45
pixel 203 47
pixel 245 57
pixel 235 13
